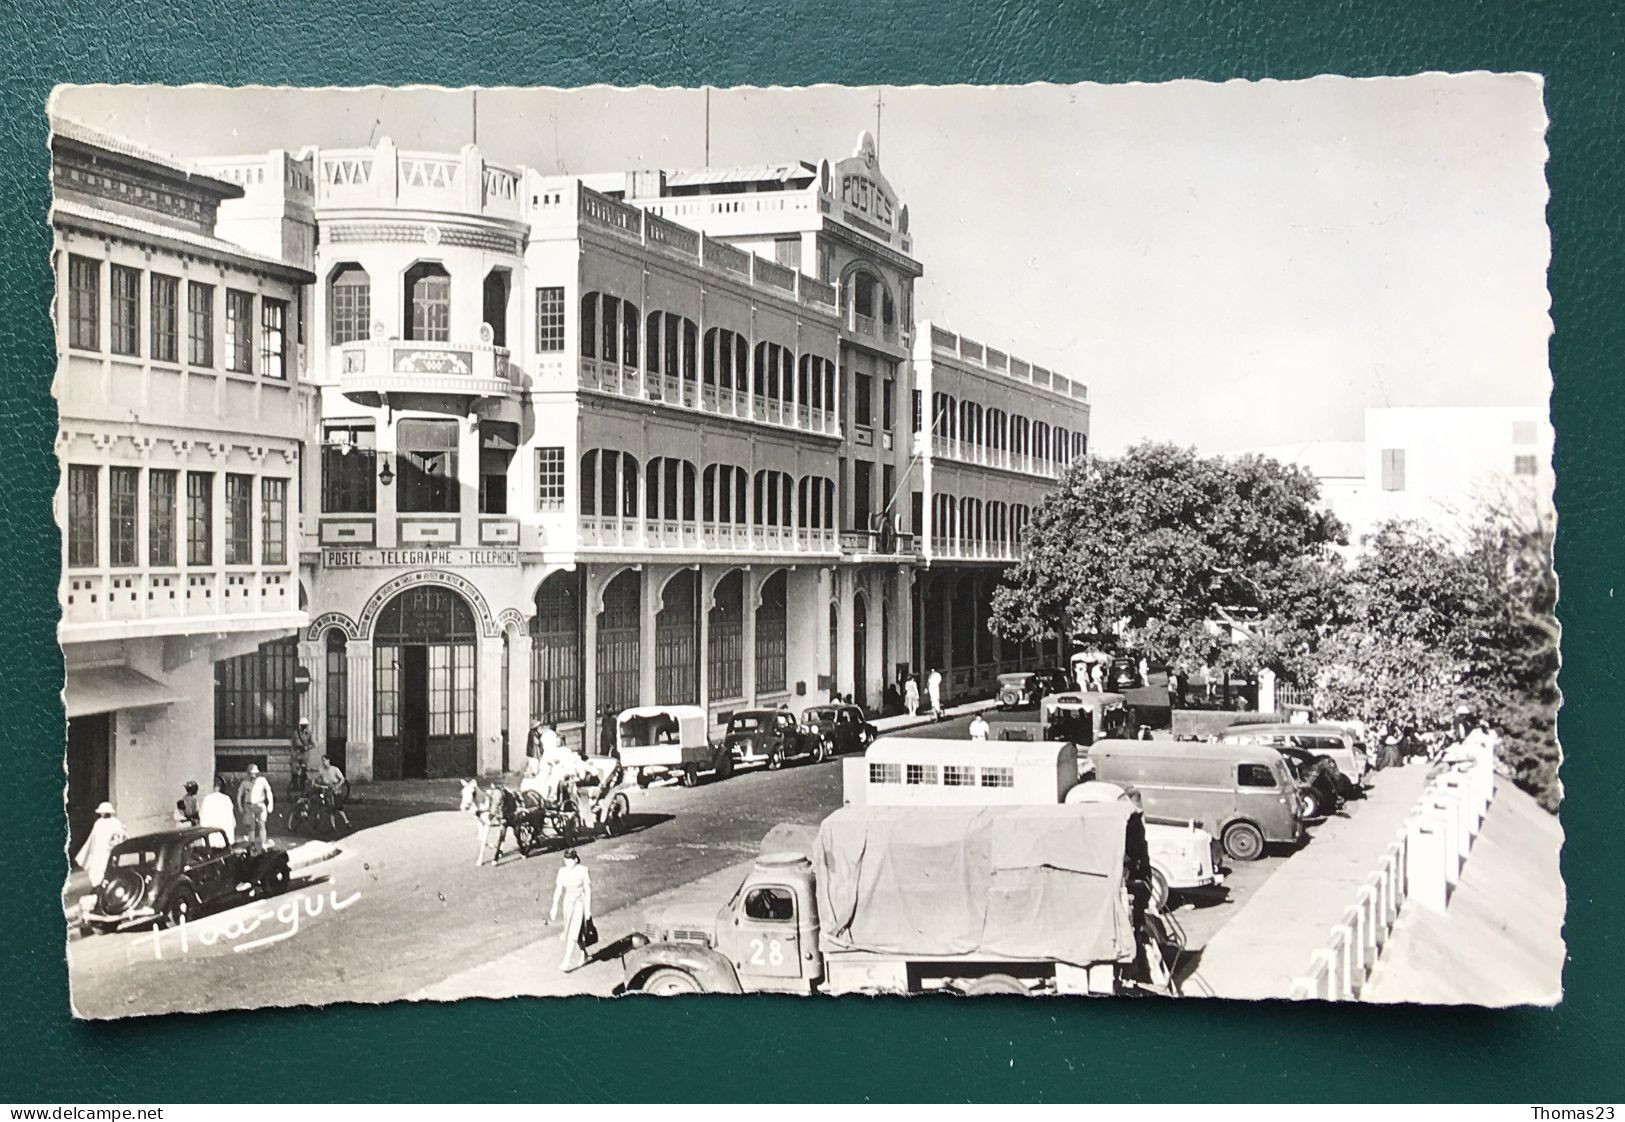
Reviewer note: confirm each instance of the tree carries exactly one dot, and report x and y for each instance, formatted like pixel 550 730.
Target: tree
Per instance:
pixel 1432 625
pixel 1177 552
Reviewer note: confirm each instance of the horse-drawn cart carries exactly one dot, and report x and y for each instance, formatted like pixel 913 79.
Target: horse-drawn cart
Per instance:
pixel 569 808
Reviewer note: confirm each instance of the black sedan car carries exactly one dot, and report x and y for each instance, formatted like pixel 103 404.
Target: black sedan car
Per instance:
pixel 843 727
pixel 1124 674
pixel 772 736
pixel 170 877
pixel 1319 782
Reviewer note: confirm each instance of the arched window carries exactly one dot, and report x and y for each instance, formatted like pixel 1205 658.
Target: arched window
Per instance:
pixel 555 652
pixel 772 636
pixel 349 305
pixel 725 625
pixel 669 489
pixel 725 359
pixel 428 303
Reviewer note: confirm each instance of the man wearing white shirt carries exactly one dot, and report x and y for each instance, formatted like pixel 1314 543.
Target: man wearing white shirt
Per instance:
pixel 216 810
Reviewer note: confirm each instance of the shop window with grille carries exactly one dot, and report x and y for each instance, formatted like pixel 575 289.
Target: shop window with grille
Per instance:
pixel 255 695
pixel 619 645
pixel 726 633
pixel 772 623
pixel 555 635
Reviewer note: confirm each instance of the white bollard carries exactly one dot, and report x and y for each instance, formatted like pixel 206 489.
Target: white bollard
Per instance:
pixel 1458 787
pixel 1444 810
pixel 1425 863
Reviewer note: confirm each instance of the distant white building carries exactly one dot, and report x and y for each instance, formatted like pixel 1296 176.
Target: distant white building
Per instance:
pixel 1441 466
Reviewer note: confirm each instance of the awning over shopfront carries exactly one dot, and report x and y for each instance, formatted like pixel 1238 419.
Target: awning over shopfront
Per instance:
pixel 102 689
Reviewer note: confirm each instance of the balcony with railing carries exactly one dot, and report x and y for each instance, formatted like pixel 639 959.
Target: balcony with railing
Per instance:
pixel 971 353
pixel 968 452
pixel 611 532
pixel 386 177
pixel 114 603
pixel 620 380
pixel 414 374
pixel 950 548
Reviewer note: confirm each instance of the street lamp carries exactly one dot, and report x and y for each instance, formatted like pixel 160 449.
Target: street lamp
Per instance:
pixel 386 474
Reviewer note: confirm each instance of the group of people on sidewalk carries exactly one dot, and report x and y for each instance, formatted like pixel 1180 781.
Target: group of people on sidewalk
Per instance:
pixel 933 694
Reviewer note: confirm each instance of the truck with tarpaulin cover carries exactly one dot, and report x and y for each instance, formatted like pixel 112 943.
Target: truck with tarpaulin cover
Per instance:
pixel 973 900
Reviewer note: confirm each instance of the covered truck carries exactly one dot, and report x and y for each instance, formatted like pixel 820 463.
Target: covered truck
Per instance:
pixel 986 899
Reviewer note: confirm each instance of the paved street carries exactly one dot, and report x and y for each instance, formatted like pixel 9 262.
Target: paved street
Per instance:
pixel 403 912
pixel 423 911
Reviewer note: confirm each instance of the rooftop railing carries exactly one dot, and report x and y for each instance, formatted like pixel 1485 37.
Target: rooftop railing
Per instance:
pixel 998 362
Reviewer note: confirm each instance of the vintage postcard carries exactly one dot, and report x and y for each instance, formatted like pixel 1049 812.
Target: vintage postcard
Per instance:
pixel 604 541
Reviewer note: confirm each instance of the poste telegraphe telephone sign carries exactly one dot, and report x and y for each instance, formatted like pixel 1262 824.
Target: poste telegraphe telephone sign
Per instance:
pixel 417 558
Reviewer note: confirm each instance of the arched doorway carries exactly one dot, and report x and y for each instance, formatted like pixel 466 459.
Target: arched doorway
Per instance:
pixel 677 641
pixel 336 709
pixel 555 651
pixel 424 687
pixel 620 650
pixel 860 651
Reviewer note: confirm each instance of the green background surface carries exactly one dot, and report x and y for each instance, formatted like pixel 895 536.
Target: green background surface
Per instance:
pixel 766 1048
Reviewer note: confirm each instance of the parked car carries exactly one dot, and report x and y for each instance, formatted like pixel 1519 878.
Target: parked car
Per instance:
pixel 1243 793
pixel 1029 687
pixel 176 875
pixel 1332 741
pixel 1124 674
pixel 843 727
pixel 772 736
pixel 1320 784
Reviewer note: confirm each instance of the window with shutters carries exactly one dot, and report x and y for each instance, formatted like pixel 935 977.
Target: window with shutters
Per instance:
pixel 84 302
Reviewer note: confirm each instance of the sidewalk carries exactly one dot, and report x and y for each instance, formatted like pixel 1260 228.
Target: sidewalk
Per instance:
pixel 533 970
pixel 1500 940
pixel 1269 942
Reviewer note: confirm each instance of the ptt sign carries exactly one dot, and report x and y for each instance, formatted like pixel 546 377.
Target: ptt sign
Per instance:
pixel 864 196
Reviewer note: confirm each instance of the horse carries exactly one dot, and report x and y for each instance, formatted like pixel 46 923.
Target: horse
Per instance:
pixel 494 808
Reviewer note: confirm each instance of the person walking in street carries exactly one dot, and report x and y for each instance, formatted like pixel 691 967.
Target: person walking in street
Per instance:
pixel 933 690
pixel 255 800
pixel 606 733
pixel 105 835
pixel 216 810
pixel 1097 677
pixel 911 695
pixel 573 890
pixel 186 807
pixel 978 727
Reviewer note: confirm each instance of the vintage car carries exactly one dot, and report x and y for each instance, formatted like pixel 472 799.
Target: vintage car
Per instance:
pixel 772 736
pixel 171 877
pixel 843 727
pixel 1124 674
pixel 1334 742
pixel 1029 687
pixel 1321 786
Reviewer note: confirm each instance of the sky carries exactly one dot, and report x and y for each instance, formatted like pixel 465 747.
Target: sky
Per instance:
pixel 1225 265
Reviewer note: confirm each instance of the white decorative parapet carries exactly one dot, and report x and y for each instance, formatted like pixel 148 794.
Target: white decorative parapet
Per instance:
pixel 1420 867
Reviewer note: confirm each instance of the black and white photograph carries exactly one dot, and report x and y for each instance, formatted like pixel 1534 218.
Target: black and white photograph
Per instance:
pixel 1048 540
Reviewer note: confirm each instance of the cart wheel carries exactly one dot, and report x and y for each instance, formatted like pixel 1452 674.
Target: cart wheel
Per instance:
pixel 691 776
pixel 643 777
pixel 615 818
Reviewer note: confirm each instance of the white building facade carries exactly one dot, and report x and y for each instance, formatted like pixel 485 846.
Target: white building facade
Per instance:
pixel 182 417
pixel 583 443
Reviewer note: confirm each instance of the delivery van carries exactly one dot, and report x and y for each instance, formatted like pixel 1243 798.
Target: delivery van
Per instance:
pixel 1242 793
